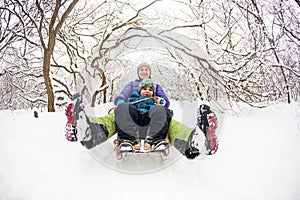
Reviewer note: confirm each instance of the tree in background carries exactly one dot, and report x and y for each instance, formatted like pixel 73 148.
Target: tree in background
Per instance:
pixel 49 50
pixel 33 26
pixel 255 44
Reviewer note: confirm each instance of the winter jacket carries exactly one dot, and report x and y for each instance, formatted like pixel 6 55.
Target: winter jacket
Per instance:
pixel 143 106
pixel 133 85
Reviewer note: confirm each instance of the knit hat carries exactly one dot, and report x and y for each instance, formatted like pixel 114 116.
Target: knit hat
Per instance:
pixel 143 65
pixel 147 83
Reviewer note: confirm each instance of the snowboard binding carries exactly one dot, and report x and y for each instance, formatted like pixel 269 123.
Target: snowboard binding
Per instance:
pixel 123 147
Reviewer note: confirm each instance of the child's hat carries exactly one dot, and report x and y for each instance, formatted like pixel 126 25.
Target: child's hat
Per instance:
pixel 147 83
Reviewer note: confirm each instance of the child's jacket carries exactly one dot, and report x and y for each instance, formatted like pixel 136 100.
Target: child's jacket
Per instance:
pixel 143 106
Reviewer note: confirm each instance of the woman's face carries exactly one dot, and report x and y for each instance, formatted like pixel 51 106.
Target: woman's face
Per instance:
pixel 144 72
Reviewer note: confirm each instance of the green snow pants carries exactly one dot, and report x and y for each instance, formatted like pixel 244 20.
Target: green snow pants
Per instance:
pixel 179 133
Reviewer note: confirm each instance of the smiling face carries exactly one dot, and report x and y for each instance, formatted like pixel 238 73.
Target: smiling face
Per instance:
pixel 144 72
pixel 147 91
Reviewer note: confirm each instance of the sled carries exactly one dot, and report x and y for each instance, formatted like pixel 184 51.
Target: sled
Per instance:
pixel 162 149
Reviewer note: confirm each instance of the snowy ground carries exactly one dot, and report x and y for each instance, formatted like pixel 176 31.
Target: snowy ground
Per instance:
pixel 258 158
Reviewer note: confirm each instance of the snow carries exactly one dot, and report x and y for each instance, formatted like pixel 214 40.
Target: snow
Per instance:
pixel 258 158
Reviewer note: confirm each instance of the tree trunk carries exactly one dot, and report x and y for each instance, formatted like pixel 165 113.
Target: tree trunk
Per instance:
pixel 48 51
pixel 47 79
pixel 46 71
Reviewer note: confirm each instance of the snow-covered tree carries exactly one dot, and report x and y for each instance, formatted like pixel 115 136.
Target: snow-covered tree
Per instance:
pixel 32 27
pixel 255 44
pixel 252 49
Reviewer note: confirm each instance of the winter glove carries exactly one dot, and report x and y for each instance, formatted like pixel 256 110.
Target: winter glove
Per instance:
pixel 119 101
pixel 160 101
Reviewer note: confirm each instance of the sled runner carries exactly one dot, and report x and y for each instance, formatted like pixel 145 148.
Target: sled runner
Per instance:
pixel 162 148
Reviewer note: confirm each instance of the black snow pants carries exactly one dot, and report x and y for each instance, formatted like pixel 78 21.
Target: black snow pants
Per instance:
pixel 132 125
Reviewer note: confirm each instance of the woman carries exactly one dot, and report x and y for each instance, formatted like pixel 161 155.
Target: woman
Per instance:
pixel 91 131
pixel 99 129
pixel 143 72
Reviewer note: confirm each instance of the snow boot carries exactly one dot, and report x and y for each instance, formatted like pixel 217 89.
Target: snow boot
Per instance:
pixel 207 122
pixel 71 110
pixel 79 126
pixel 155 144
pixel 128 145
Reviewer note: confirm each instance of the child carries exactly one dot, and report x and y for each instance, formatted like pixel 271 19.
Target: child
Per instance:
pixel 143 117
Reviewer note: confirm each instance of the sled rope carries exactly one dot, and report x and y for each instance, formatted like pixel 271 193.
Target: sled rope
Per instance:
pixel 113 108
